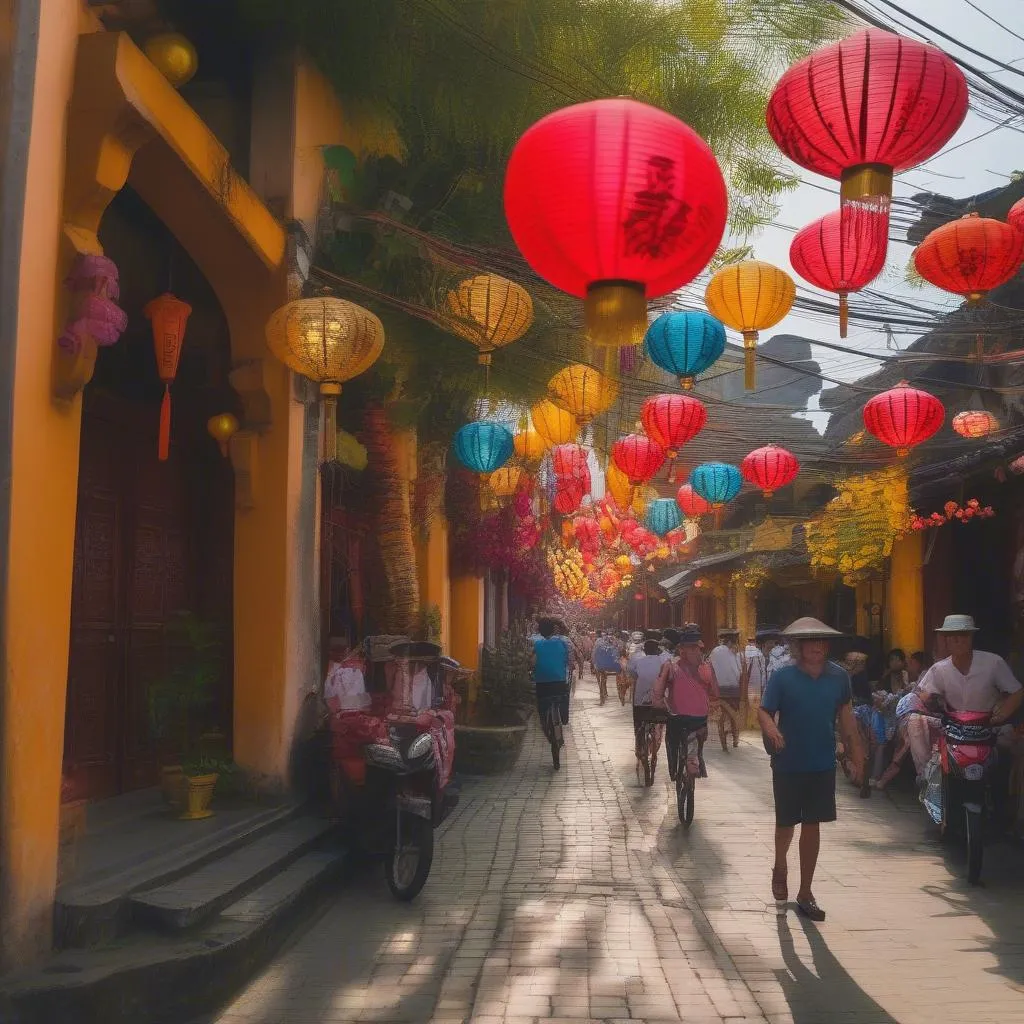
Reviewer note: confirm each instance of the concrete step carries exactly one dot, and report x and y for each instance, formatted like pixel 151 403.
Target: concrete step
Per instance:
pixel 197 896
pixel 96 909
pixel 165 979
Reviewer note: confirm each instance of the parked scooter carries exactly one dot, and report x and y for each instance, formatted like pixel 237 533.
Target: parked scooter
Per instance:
pixel 399 793
pixel 967 760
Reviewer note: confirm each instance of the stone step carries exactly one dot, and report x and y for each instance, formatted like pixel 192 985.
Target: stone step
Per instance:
pixel 165 979
pixel 196 897
pixel 97 909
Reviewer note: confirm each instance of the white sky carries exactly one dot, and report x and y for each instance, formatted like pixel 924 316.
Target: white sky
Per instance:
pixel 976 167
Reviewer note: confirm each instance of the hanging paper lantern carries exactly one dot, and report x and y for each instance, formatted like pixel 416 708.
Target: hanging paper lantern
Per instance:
pixel 859 110
pixel 749 297
pixel 530 446
pixel 970 256
pixel 770 468
pixel 642 497
pixel 504 482
pixel 330 341
pixel 618 485
pixel 672 420
pixel 616 202
pixel 903 417
pixel 583 391
pixel 483 446
pixel 1016 215
pixel 841 252
pixel 168 316
pixel 685 343
pixel 975 423
pixel 222 428
pixel 716 482
pixel 568 496
pixel 489 311
pixel 569 460
pixel 555 425
pixel 638 457
pixel 663 516
pixel 690 503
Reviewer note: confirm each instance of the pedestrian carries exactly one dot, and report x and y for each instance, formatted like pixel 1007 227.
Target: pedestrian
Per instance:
pixel 806 697
pixel 730 669
pixel 780 656
pixel 757 655
pixel 607 655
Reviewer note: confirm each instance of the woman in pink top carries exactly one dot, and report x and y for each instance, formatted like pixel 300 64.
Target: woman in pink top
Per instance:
pixel 686 687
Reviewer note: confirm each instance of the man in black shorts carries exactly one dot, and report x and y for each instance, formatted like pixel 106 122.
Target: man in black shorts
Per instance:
pixel 806 697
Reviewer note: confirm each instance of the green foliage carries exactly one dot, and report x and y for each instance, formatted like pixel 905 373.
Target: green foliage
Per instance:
pixel 505 670
pixel 429 626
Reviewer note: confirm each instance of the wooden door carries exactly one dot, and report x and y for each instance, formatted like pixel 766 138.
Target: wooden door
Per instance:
pixel 131 574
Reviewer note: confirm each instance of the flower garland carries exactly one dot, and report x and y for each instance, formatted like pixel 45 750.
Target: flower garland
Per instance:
pixel 950 511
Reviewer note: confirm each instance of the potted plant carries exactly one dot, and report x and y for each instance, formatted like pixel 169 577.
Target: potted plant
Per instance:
pixel 177 701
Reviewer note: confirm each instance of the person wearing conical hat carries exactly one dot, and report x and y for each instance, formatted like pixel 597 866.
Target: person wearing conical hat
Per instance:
pixel 797 717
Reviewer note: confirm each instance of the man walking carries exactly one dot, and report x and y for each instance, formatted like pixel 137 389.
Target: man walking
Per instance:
pixel 806 696
pixel 730 667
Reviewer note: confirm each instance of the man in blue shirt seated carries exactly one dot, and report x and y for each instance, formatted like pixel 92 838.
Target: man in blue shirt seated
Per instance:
pixel 549 664
pixel 806 697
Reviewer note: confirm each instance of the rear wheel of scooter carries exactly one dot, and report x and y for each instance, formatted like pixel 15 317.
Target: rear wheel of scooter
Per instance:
pixel 975 849
pixel 406 868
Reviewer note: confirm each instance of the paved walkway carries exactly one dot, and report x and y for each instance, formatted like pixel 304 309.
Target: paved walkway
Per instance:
pixel 575 896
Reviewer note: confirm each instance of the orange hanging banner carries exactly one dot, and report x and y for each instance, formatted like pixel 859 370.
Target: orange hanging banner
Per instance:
pixel 168 315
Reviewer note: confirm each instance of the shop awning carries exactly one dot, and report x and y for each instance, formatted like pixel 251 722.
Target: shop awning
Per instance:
pixel 679 585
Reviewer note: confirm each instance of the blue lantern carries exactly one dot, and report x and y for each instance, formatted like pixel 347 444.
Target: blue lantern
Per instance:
pixel 483 446
pixel 663 516
pixel 716 482
pixel 685 343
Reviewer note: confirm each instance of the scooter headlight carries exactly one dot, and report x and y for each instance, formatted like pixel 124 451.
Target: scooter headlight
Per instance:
pixel 974 772
pixel 420 746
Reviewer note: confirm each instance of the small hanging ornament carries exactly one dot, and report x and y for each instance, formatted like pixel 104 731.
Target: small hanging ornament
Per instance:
pixel 168 315
pixel 222 428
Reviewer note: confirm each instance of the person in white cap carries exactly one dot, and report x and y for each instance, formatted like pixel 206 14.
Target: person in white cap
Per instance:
pixel 970 680
pixel 806 697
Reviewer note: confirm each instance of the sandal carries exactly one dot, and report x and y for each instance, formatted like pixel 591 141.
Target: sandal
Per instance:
pixel 810 909
pixel 780 887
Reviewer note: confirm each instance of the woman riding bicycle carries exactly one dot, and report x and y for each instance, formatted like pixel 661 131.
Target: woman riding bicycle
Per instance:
pixel 685 687
pixel 549 665
pixel 645 667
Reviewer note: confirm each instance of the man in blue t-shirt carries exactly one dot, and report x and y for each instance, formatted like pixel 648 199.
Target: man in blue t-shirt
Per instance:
pixel 549 666
pixel 806 697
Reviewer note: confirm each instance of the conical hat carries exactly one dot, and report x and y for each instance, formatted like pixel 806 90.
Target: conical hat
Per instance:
pixel 809 628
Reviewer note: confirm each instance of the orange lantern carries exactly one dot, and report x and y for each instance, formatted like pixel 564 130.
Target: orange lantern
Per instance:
pixel 222 428
pixel 975 423
pixel 168 315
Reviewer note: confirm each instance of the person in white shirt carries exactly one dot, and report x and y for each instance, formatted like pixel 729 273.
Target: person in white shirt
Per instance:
pixel 644 667
pixel 345 685
pixel 780 657
pixel 970 680
pixel 729 666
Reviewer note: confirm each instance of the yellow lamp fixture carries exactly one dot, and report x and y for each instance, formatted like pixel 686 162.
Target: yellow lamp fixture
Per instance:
pixel 749 297
pixel 173 56
pixel 530 445
pixel 222 428
pixel 583 391
pixel 505 481
pixel 330 341
pixel 489 311
pixel 555 425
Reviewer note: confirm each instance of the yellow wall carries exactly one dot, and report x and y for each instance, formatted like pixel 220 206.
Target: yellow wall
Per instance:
pixel 467 621
pixel 435 585
pixel 905 604
pixel 42 528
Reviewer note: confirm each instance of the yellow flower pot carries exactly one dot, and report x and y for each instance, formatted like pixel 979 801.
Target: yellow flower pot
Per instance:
pixel 198 793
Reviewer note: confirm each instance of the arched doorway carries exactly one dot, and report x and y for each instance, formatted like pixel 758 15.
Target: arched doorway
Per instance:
pixel 153 539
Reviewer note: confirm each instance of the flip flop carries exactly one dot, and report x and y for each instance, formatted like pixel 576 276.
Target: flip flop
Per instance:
pixel 810 909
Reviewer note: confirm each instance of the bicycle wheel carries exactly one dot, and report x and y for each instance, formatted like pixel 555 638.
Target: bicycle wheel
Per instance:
pixel 555 736
pixel 646 738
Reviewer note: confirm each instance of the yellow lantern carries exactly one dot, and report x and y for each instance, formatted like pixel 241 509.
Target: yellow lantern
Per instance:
pixel 530 445
pixel 642 497
pixel 489 311
pixel 222 428
pixel 330 341
pixel 749 297
pixel 556 426
pixel 505 481
pixel 584 391
pixel 618 486
pixel 173 56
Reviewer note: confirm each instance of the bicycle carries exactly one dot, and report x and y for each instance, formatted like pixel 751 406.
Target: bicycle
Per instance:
pixel 551 722
pixel 687 752
pixel 647 744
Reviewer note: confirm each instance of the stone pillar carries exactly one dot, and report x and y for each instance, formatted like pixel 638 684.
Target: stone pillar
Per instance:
pixel 467 619
pixel 906 593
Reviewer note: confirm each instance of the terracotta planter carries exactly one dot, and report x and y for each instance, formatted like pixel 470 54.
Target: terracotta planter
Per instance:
pixel 488 749
pixel 172 784
pixel 198 793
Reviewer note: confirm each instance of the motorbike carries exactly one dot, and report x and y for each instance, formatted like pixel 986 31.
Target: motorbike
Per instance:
pixel 967 760
pixel 393 760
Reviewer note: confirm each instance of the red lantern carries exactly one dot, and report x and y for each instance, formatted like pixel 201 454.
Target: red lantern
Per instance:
pixel 638 457
pixel 616 202
pixel 841 252
pixel 970 256
pixel 903 417
pixel 975 423
pixel 770 468
pixel 1016 215
pixel 168 315
pixel 568 496
pixel 693 506
pixel 672 420
pixel 861 109
pixel 569 461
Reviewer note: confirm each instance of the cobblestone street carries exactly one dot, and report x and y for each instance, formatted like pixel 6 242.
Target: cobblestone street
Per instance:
pixel 576 896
